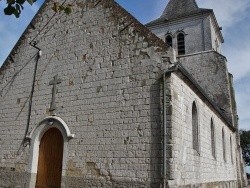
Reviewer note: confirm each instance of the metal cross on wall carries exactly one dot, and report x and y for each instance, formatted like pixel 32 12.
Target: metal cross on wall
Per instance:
pixel 54 91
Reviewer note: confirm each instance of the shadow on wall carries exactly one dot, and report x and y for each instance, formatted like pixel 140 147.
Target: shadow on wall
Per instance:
pixel 156 135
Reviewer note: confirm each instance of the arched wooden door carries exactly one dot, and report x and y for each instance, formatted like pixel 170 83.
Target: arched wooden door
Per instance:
pixel 49 169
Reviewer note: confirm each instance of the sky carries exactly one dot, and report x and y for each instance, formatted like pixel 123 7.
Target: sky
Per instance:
pixel 233 16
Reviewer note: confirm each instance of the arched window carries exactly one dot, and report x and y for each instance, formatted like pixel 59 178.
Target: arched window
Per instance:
pixel 181 44
pixel 212 138
pixel 195 127
pixel 223 145
pixel 231 148
pixel 169 40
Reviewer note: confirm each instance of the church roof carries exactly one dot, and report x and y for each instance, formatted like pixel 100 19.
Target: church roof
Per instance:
pixel 179 9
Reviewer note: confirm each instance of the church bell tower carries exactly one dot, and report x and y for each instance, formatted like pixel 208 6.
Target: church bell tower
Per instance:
pixel 188 28
pixel 196 38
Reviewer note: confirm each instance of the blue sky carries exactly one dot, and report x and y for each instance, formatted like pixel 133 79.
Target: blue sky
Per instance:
pixel 233 16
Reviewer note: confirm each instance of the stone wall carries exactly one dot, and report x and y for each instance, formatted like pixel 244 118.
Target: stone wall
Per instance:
pixel 215 40
pixel 222 184
pixel 109 96
pixel 189 166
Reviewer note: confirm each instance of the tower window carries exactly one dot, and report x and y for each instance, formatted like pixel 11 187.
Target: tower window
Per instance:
pixel 169 40
pixel 181 44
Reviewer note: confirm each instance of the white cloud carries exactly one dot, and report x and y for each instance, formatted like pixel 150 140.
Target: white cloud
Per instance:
pixel 238 63
pixel 244 120
pixel 243 101
pixel 228 12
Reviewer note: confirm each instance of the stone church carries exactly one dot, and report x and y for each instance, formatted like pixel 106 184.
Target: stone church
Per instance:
pixel 96 99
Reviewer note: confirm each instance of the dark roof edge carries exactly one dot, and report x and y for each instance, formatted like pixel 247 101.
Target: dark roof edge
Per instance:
pixel 198 87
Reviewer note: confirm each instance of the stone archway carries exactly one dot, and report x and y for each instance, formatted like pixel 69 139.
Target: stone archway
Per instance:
pixel 36 139
pixel 49 170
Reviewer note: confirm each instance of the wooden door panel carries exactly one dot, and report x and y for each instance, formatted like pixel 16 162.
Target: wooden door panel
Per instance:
pixel 50 160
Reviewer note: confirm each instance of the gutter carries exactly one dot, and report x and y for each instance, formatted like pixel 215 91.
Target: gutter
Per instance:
pixel 164 133
pixel 39 54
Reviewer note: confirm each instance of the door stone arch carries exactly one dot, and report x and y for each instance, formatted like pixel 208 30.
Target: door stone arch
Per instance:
pixel 36 138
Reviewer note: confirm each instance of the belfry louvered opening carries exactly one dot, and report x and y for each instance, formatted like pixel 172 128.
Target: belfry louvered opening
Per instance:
pixel 181 43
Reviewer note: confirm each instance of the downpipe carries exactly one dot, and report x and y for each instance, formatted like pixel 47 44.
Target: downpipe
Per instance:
pixel 164 133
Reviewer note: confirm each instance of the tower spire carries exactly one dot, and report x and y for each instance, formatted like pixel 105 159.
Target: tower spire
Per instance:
pixel 178 8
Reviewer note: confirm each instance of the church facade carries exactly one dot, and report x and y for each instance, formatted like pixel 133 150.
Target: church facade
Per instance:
pixel 96 99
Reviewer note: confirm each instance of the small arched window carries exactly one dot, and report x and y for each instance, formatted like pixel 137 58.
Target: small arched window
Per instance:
pixel 231 148
pixel 169 40
pixel 195 129
pixel 212 138
pixel 181 43
pixel 223 145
